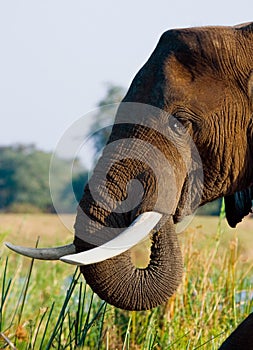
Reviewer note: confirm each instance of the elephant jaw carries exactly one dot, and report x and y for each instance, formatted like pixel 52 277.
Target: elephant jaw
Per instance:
pixel 135 233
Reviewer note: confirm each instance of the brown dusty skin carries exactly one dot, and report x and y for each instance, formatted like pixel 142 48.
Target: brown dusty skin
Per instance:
pixel 121 284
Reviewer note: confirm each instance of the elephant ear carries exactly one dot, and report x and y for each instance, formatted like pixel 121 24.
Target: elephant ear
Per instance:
pixel 247 28
pixel 250 87
pixel 238 205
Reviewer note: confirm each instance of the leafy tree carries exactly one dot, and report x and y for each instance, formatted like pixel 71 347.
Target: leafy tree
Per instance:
pixel 24 179
pixel 71 194
pixel 105 115
pixel 212 208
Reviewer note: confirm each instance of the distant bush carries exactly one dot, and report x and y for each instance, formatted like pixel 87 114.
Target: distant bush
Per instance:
pixel 212 208
pixel 22 208
pixel 24 180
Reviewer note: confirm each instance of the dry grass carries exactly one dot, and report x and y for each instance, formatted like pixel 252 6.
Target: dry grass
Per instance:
pixel 206 229
pixel 26 228
pixel 206 307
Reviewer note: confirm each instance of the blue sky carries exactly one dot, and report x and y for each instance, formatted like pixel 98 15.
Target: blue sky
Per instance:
pixel 57 55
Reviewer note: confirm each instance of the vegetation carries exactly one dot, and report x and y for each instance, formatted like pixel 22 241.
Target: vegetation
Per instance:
pixel 24 180
pixel 102 125
pixel 41 307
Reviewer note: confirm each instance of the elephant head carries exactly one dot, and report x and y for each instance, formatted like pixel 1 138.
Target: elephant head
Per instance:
pixel 182 137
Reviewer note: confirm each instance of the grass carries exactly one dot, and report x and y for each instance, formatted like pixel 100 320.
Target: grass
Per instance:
pixel 47 305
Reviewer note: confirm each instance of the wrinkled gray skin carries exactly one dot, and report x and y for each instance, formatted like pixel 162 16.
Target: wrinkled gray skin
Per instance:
pixel 203 78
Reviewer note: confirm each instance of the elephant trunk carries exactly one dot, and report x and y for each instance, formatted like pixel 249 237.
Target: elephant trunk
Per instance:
pixel 110 204
pixel 121 284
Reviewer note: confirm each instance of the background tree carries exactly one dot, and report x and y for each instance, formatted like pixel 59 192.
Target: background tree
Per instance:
pixel 212 208
pixel 72 192
pixel 24 180
pixel 107 106
pixel 24 177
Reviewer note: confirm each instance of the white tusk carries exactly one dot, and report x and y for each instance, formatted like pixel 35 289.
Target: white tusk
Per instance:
pixel 43 253
pixel 135 233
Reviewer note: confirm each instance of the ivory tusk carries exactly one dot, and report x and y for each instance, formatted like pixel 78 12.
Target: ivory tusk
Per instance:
pixel 135 233
pixel 43 253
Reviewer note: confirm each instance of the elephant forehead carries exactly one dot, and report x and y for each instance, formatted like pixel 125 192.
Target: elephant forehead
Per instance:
pixel 200 91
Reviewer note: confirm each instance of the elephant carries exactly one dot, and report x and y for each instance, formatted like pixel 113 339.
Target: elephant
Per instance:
pixel 182 137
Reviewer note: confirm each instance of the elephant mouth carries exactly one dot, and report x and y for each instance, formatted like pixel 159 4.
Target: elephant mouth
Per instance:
pixel 139 229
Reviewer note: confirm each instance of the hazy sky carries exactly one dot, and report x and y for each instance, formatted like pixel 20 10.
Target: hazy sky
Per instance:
pixel 57 55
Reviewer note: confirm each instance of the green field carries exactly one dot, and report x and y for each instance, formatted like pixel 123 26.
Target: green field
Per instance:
pixel 43 307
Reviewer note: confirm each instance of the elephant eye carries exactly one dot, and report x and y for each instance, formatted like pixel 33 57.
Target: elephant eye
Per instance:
pixel 176 126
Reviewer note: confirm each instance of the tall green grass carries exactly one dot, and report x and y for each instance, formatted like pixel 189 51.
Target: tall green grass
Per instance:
pixel 42 308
